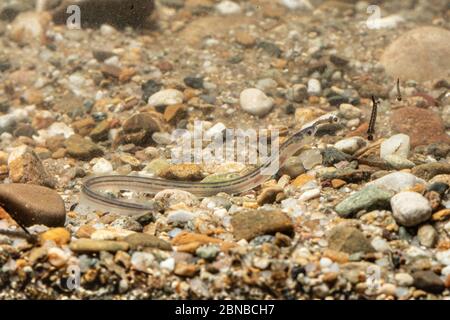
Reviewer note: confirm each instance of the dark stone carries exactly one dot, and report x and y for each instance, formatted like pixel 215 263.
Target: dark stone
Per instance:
pixel 271 48
pixel 24 130
pixel 101 55
pixel 31 204
pixel 428 281
pixel 429 170
pixel 332 155
pixel 336 100
pixel 194 82
pixel 149 88
pixel 338 61
pixel 439 187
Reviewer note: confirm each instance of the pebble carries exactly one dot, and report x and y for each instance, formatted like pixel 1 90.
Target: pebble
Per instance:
pixel 314 87
pixel 310 158
pixel 30 27
pixel 368 198
pixel 82 148
pixel 250 224
pixel 398 145
pixel 89 245
pixel 207 252
pixel 408 57
pixel 397 181
pixel 269 195
pixel 443 257
pixel 427 236
pixel 180 217
pixel 171 197
pixel 32 204
pixel 297 4
pixel 428 281
pixel 332 155
pixel 142 261
pixel 398 163
pixel 59 236
pixel 348 239
pixel 168 264
pixel 410 208
pixel 255 102
pixel 102 166
pixel 349 112
pixel 404 279
pixel 182 172
pixel 350 145
pixel 143 240
pixel 26 167
pixel 228 7
pixel 293 167
pixel 429 170
pixel 166 97
pixel 57 257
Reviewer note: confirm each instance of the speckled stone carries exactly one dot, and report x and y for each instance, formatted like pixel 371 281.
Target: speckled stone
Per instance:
pixel 250 224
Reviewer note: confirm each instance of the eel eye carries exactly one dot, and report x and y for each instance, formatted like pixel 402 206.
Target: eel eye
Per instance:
pixel 335 119
pixel 309 132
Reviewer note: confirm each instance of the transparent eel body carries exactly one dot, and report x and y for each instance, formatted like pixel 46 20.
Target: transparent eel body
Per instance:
pixel 93 198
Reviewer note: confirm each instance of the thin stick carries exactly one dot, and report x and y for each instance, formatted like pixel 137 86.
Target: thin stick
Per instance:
pixel 373 119
pixel 399 94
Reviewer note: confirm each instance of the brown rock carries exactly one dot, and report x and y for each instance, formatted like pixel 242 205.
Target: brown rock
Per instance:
pixel 174 113
pixel 250 224
pixel 84 126
pixel 269 195
pixel 144 240
pixel 184 269
pixel 81 148
pixel 420 54
pixel 189 242
pixel 28 168
pixel 32 204
pixel 428 281
pixel 427 171
pixel 245 39
pixel 100 132
pixel 183 172
pixel 28 27
pixel 348 239
pixel 423 126
pixel 138 129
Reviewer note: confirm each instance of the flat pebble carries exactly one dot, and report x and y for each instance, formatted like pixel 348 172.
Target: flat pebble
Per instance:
pixel 166 97
pixel 398 145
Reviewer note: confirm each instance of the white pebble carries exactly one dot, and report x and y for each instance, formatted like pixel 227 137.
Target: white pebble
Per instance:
pixel 255 102
pixel 180 216
pixel 397 181
pixel 314 86
pixel 443 257
pixel 398 145
pixel 228 7
pixel 59 128
pixel 410 208
pixel 168 264
pixel 102 166
pixel 297 4
pixel 404 279
pixel 165 97
pixel 310 194
pixel 350 145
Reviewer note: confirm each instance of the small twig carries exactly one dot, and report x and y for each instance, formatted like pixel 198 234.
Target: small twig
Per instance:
pixel 373 119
